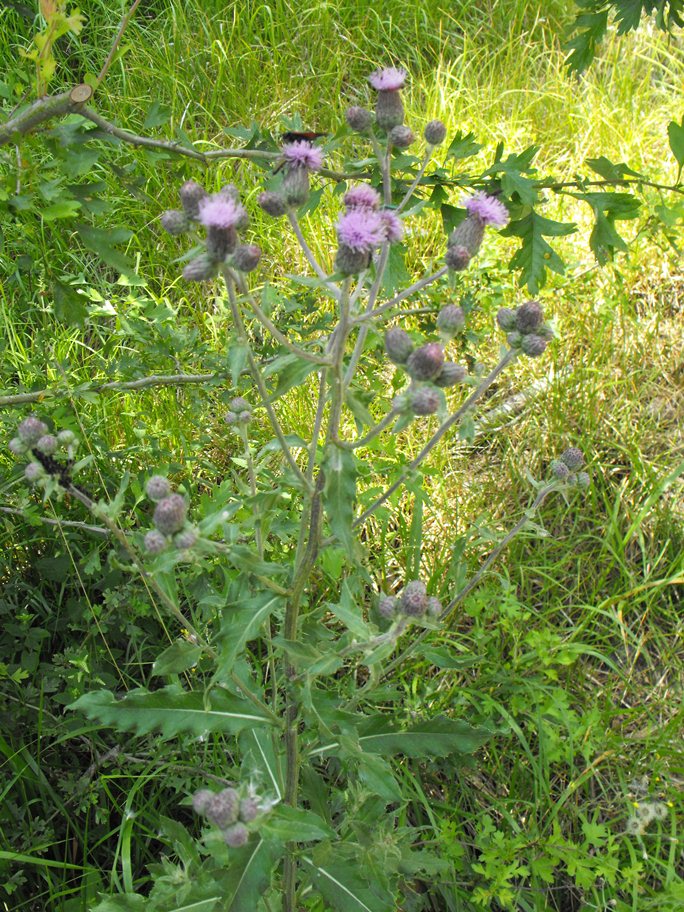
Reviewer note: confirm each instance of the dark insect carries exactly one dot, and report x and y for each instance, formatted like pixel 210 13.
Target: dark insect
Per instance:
pixel 306 136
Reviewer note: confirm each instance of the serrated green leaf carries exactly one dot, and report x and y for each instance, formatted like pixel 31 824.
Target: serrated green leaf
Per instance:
pixel 63 209
pixel 675 133
pixel 443 658
pixel 377 775
pixel 249 874
pixel 170 710
pixel 101 242
pixel 68 305
pixel 178 657
pixel 290 824
pixel 343 886
pixel 242 625
pixel 584 44
pixel 350 613
pixel 610 170
pixel 395 275
pixel 463 145
pixel 339 492
pixel 157 114
pixel 535 255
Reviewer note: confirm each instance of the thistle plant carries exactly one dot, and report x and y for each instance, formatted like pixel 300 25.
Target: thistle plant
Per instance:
pixel 292 666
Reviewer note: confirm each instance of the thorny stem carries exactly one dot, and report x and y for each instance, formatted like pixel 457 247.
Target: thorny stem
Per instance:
pixel 437 436
pixel 308 253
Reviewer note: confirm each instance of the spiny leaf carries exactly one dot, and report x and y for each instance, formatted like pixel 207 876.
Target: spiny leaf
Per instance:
pixel 249 874
pixel 339 493
pixel 343 886
pixel 243 625
pixel 170 710
pixel 178 657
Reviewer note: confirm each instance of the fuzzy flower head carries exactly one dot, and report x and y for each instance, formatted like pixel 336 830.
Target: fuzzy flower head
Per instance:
pixel 220 211
pixel 389 79
pixel 489 209
pixel 361 230
pixel 362 197
pixel 394 229
pixel 301 154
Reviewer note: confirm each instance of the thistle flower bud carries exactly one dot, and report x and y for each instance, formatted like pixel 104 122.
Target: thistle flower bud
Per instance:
pixel 532 345
pixel 529 316
pixel 231 418
pixel 186 539
pixel 582 480
pixel 359 119
pixel 434 607
pixel 573 458
pixel 450 375
pixel 469 234
pixel 401 136
pixel 246 257
pixel 31 430
pixel 426 362
pixel 200 801
pixel 236 836
pixel 295 187
pixel 17 446
pixel 389 110
pixel 387 606
pixel 191 194
pixel 435 132
pixel 272 203
pixel 414 598
pixel 350 261
pixel 425 401
pixel 230 192
pixel 507 319
pixel 451 319
pixel 457 258
pixel 155 542
pixel 170 513
pixel 239 404
pixel 559 469
pixel 514 339
pixel 174 221
pixel 157 487
pixel 34 472
pixel 66 438
pixel 223 808
pixel 47 444
pixel 200 269
pixel 545 332
pixel 398 345
pixel 249 809
pixel 220 242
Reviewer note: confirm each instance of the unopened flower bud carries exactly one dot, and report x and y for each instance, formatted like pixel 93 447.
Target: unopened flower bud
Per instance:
pixel 349 261
pixel 47 444
pixel 414 598
pixel 34 472
pixel 457 258
pixel 434 607
pixel 398 345
pixel 174 221
pixel 17 446
pixel 389 110
pixel 582 480
pixel 514 339
pixel 450 375
pixel 469 234
pixel 186 539
pixel 296 187
pixel 223 808
pixel 272 203
pixel 425 401
pixel 239 404
pixel 231 418
pixel 451 319
pixel 401 136
pixel 245 417
pixel 236 836
pixel 31 430
pixel 170 514
pixel 387 606
pixel 532 345
pixel 246 257
pixel 249 809
pixel 200 269
pixel 425 363
pixel 507 319
pixel 157 487
pixel 573 457
pixel 359 119
pixel 66 438
pixel 155 542
pixel 191 194
pixel 220 242
pixel 200 801
pixel 559 469
pixel 231 192
pixel 435 132
pixel 529 316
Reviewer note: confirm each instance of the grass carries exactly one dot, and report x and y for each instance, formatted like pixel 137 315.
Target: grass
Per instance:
pixel 575 637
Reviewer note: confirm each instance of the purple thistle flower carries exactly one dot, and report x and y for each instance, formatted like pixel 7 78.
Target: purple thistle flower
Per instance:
pixel 220 211
pixel 361 229
pixel 488 208
pixel 388 80
pixel 362 197
pixel 302 154
pixel 394 228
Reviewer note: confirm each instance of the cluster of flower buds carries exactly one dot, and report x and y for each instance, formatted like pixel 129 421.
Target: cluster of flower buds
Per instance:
pixel 363 228
pixel 223 215
pixel 170 518
pixel 568 468
pixel 525 328
pixel 232 812
pixel 466 239
pixel 239 413
pixel 427 368
pixel 414 602
pixel 44 450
